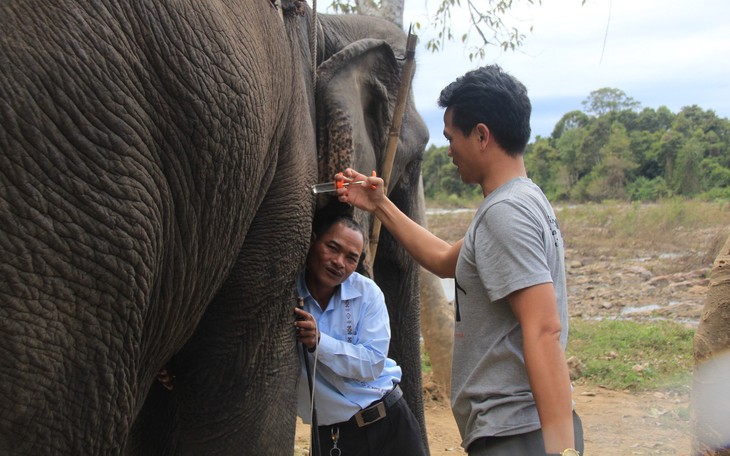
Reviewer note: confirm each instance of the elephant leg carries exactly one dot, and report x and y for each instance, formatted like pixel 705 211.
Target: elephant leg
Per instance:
pixel 256 306
pixel 399 283
pixel 235 379
pixel 397 274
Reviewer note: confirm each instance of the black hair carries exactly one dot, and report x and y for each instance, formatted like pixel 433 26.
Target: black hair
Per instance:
pixel 323 224
pixel 335 213
pixel 490 96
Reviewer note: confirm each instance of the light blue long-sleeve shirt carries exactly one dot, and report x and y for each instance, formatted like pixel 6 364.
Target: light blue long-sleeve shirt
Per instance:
pixel 353 369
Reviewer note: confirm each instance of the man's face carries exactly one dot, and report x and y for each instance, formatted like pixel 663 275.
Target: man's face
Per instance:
pixel 334 256
pixel 462 149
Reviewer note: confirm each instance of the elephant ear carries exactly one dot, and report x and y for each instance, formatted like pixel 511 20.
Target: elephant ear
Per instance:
pixel 356 91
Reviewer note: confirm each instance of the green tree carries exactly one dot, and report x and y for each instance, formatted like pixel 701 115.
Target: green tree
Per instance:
pixel 716 130
pixel 598 134
pixel 687 180
pixel 643 189
pixel 655 120
pixel 609 177
pixel 569 146
pixel 570 121
pixel 690 118
pixel 435 159
pixel 605 100
pixel 645 151
pixel 669 145
pixel 626 117
pixel 441 178
pixel 618 162
pixel 541 161
pixel 714 175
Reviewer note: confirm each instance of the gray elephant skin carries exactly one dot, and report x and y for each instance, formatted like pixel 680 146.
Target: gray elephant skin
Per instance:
pixel 155 158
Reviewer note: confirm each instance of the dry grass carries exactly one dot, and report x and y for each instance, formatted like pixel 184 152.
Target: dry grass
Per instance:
pixel 450 226
pixel 689 233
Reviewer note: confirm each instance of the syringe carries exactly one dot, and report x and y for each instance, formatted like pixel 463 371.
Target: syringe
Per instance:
pixel 328 187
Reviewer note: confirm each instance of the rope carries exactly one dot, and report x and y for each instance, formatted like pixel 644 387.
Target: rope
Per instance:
pixel 314 375
pixel 316 447
pixel 313 46
pixel 313 52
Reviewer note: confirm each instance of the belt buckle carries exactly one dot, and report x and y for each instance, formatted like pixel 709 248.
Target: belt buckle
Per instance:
pixel 379 407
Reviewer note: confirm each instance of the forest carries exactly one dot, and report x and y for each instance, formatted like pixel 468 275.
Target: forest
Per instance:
pixel 613 149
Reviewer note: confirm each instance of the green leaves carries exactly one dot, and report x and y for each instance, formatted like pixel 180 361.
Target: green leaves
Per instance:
pixel 605 100
pixel 441 180
pixel 486 26
pixel 613 151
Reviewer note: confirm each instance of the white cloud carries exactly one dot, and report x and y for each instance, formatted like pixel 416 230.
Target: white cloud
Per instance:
pixel 672 53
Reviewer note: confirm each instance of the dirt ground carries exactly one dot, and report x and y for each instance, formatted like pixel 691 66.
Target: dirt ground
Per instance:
pixel 614 422
pixel 659 277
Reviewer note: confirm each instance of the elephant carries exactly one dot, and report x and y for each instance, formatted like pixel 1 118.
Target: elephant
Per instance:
pixel 155 164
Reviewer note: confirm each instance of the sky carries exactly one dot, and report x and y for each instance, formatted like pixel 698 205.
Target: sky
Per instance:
pixel 671 53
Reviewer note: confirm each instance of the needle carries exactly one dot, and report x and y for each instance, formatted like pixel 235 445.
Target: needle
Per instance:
pixel 327 187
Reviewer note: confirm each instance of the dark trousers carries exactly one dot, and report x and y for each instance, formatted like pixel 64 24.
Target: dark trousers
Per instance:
pixel 528 444
pixel 397 434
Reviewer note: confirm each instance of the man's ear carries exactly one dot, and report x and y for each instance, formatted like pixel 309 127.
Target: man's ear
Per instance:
pixel 482 132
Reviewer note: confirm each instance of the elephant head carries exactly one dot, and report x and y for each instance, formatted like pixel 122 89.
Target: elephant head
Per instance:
pixel 155 163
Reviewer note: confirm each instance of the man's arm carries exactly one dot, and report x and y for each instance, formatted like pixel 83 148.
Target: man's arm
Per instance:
pixel 363 359
pixel 431 252
pixel 537 311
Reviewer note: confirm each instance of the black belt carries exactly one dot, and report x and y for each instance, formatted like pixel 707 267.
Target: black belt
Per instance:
pixel 373 412
pixel 377 410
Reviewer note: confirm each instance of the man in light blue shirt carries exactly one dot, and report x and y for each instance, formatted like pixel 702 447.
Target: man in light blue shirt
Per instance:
pixel 345 326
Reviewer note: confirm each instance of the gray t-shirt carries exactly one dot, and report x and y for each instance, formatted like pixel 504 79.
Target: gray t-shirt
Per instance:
pixel 513 242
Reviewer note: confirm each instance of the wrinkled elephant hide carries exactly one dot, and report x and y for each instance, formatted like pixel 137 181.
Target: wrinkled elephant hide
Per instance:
pixel 155 164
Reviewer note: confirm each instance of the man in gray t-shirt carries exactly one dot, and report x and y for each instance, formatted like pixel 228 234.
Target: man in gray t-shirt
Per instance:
pixel 510 388
pixel 513 243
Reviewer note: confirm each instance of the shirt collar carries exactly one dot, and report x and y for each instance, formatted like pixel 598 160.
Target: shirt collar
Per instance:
pixel 346 290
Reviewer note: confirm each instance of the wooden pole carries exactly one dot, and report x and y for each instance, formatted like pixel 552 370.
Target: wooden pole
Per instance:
pixel 395 126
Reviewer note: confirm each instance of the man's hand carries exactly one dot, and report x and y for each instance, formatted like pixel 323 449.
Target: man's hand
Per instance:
pixel 166 378
pixel 306 326
pixel 365 196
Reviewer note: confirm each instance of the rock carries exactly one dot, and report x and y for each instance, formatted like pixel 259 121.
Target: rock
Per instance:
pixel 433 390
pixel 642 272
pixel 575 368
pixel 575 264
pixel 681 277
pixel 698 289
